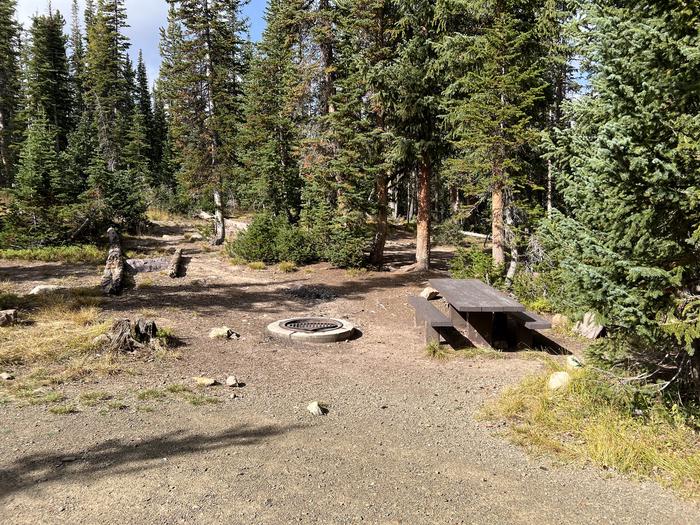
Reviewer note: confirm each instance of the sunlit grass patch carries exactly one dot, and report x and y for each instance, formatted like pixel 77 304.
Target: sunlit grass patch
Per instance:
pixel 68 254
pixel 90 399
pixel 151 394
pixel 596 421
pixel 442 352
pixel 257 265
pixel 287 267
pixel 178 389
pixel 200 399
pixel 64 410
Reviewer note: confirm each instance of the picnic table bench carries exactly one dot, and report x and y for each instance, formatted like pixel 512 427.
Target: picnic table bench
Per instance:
pixel 484 315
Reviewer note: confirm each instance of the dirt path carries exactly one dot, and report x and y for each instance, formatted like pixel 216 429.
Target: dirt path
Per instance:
pixel 401 443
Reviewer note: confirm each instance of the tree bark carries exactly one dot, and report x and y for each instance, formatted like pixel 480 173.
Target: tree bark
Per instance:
pixel 377 255
pixel 498 230
pixel 423 223
pixel 219 223
pixel 174 270
pixel 114 272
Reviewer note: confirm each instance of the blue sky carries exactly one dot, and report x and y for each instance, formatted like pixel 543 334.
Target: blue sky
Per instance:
pixel 145 17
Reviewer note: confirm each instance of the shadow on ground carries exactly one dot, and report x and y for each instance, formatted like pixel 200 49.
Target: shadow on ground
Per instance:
pixel 120 457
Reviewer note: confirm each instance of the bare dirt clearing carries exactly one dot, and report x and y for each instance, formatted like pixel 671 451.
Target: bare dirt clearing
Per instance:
pixel 400 444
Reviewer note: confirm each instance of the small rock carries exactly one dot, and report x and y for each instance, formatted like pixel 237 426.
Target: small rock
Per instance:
pixel 223 333
pixel 232 381
pixel 196 237
pixel 560 321
pixel 8 317
pixel 6 377
pixel 559 381
pixel 573 362
pixel 204 381
pixel 430 294
pixel 43 289
pixel 69 459
pixel 316 409
pixel 589 328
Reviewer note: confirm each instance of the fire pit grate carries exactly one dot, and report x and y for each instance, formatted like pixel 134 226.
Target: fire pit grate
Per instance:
pixel 311 326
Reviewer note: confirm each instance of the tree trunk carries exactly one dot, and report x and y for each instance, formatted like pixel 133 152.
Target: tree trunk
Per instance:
pixel 219 223
pixel 423 224
pixel 174 270
pixel 114 272
pixel 498 236
pixel 377 256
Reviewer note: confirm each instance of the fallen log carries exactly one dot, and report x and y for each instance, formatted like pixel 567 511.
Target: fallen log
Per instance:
pixel 114 272
pixel 148 265
pixel 175 263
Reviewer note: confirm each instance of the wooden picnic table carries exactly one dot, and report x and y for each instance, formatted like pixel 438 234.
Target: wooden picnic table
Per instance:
pixel 477 309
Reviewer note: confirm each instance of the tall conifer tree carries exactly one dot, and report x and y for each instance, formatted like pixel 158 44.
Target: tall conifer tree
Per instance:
pixel 48 81
pixel 204 88
pixel 629 248
pixel 9 87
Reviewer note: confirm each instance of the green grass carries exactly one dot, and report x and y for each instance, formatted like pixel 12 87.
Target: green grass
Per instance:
pixel 90 399
pixel 595 421
pixel 287 267
pixel 151 394
pixel 68 254
pixel 63 410
pixel 442 352
pixel 177 389
pixel 117 405
pixel 257 265
pixel 200 399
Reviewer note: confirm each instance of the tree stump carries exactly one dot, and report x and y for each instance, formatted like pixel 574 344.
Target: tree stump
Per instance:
pixel 120 338
pixel 175 264
pixel 114 272
pixel 145 331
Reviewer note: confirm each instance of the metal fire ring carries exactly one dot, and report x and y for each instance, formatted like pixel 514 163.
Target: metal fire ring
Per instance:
pixel 312 330
pixel 312 325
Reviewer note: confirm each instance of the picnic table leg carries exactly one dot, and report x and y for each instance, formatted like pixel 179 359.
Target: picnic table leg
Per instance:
pixel 478 326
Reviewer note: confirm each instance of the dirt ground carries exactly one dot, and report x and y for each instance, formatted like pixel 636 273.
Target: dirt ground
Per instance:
pixel 402 442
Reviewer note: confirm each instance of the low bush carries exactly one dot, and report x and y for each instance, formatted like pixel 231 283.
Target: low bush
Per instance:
pixel 272 239
pixel 448 233
pixel 475 263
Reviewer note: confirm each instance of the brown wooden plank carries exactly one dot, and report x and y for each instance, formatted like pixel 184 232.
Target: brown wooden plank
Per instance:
pixel 472 295
pixel 428 313
pixel 531 320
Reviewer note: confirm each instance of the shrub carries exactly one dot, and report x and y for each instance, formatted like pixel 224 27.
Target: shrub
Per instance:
pixel 257 243
pixel 474 263
pixel 448 233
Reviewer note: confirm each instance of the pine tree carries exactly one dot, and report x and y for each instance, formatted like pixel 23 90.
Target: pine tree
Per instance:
pixel 77 64
pixel 629 249
pixel 108 92
pixel 414 104
pixel 204 88
pixel 143 96
pixel 9 87
pixel 49 85
pixel 495 83
pixel 270 134
pixel 359 125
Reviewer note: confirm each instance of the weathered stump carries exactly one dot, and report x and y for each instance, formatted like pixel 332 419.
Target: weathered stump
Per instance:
pixel 114 272
pixel 120 338
pixel 145 331
pixel 175 263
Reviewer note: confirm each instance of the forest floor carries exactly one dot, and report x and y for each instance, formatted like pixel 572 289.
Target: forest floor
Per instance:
pixel 402 441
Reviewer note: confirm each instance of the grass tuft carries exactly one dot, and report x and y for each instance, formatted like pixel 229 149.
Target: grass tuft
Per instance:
pixel 151 394
pixel 595 421
pixel 287 267
pixel 257 265
pixel 63 410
